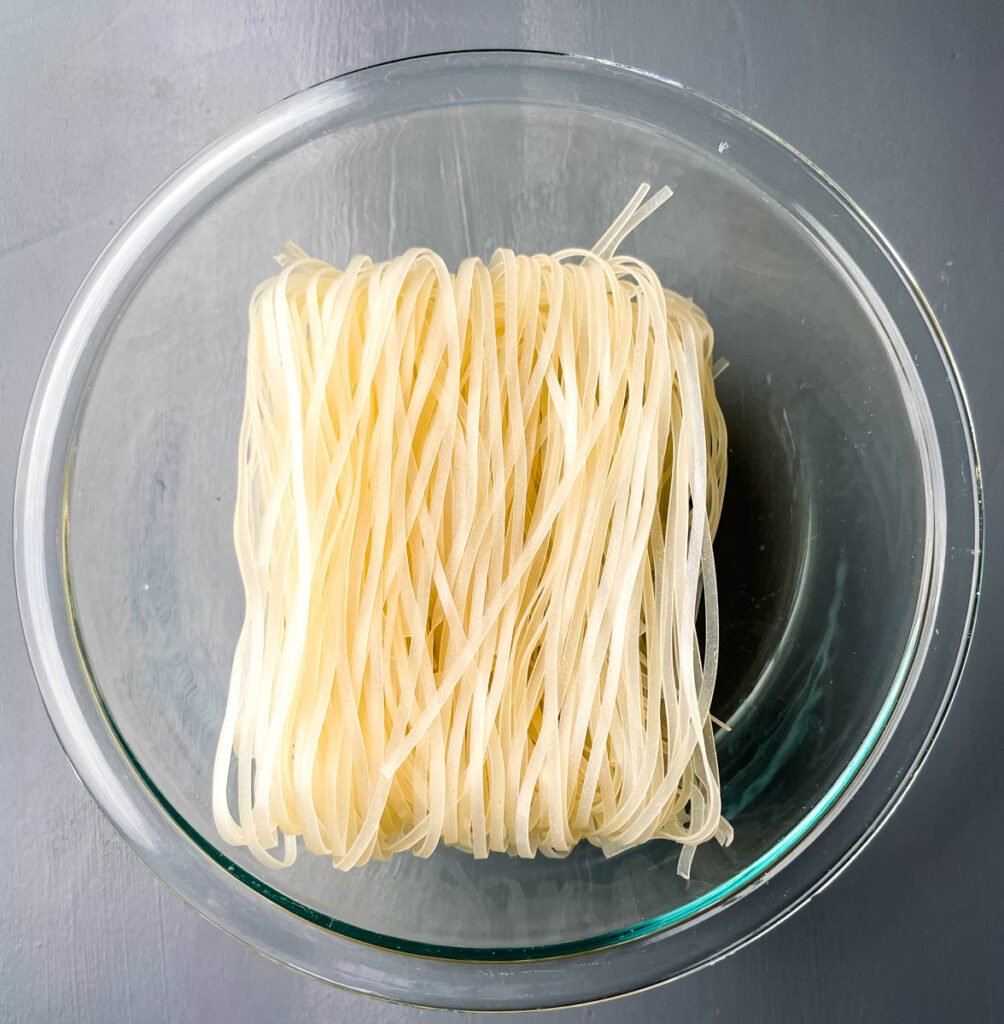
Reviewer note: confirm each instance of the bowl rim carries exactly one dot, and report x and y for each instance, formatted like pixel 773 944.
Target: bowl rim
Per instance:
pixel 111 773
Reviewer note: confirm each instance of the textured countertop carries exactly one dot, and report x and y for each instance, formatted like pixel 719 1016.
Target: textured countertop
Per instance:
pixel 902 102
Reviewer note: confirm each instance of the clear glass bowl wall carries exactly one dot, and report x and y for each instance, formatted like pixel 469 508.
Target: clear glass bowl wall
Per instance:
pixel 834 555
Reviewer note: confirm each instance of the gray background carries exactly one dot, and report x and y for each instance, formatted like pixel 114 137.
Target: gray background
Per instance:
pixel 902 102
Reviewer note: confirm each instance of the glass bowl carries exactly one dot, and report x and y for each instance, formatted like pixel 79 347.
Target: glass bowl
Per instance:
pixel 849 552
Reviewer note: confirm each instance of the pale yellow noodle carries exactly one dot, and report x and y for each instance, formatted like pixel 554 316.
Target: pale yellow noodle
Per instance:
pixel 474 523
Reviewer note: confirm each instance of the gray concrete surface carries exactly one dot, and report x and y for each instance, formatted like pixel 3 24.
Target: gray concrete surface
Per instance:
pixel 901 101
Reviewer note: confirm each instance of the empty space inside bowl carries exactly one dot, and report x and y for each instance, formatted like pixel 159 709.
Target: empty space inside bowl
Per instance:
pixel 819 554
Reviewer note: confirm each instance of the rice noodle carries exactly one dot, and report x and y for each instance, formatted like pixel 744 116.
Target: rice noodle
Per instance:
pixel 474 523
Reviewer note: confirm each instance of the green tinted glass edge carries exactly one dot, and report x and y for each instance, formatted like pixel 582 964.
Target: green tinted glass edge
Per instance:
pixel 476 953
